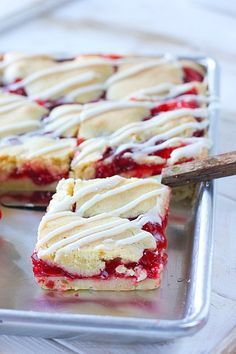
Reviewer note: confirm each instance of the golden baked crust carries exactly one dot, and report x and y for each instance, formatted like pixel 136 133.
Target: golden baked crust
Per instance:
pixel 115 284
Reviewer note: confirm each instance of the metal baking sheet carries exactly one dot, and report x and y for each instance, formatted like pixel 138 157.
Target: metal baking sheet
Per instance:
pixel 178 308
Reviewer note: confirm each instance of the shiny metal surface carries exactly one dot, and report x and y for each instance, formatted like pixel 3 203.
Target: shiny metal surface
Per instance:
pixel 178 308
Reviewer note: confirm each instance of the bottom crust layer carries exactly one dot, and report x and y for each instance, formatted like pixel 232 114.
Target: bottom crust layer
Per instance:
pixel 113 284
pixel 25 184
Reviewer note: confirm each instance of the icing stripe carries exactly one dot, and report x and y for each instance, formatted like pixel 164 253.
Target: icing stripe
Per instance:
pixel 165 90
pixel 89 236
pixel 149 146
pixel 124 74
pixel 66 84
pixel 11 106
pixel 65 109
pixel 58 68
pixel 110 106
pixel 82 90
pixel 58 128
pixel 65 228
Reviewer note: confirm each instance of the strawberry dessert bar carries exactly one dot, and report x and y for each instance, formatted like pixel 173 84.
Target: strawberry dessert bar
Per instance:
pixel 103 234
pixel 34 163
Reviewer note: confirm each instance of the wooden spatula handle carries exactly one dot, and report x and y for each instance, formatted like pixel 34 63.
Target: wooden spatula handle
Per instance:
pixel 203 170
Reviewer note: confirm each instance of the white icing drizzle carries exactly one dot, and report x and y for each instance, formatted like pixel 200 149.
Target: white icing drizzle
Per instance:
pixel 149 146
pixel 58 145
pixel 82 90
pixel 24 115
pixel 161 118
pixel 58 128
pixel 103 232
pixel 10 102
pixel 107 230
pixel 163 90
pixel 182 127
pixel 7 98
pixel 85 149
pixel 87 235
pixel 64 110
pixel 58 68
pixel 64 85
pixel 65 228
pixel 124 74
pixel 11 106
pixel 62 118
pixel 68 201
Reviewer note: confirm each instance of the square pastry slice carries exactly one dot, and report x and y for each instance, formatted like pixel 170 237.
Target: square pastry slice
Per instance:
pixel 34 163
pixel 103 234
pixel 142 149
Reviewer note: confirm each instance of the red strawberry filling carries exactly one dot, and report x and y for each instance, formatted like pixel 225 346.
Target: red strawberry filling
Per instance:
pixel 19 90
pixel 192 75
pixel 152 261
pixel 111 163
pixel 176 103
pixel 40 175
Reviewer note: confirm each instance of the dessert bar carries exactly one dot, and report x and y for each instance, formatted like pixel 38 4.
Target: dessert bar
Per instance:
pixel 103 234
pixel 34 163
